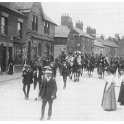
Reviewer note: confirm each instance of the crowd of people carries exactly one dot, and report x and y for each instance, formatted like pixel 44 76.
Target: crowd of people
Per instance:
pixel 42 74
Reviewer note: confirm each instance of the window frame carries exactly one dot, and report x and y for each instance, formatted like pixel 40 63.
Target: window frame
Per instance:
pixel 35 23
pixel 21 28
pixel 4 27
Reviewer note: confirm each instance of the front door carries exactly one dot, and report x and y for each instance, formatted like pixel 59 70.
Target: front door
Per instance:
pixel 10 54
pixel 3 66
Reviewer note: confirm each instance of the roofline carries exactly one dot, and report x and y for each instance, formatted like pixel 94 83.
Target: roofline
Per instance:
pixel 99 45
pixel 84 35
pixel 60 37
pixel 87 36
pixel 14 10
pixel 110 45
pixel 49 21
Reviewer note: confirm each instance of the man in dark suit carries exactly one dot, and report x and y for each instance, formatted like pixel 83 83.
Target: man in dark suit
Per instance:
pixel 27 80
pixel 64 73
pixel 48 92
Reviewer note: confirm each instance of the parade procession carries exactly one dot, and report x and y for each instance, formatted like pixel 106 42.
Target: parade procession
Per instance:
pixel 61 68
pixel 73 66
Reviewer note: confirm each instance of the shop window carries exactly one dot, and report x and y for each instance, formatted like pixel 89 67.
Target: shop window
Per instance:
pixel 19 29
pixel 35 23
pixel 46 27
pixel 18 55
pixel 4 25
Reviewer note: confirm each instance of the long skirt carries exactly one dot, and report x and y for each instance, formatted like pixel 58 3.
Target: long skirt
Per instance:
pixel 109 100
pixel 121 94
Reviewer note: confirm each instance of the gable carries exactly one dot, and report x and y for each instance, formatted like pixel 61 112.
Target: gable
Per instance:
pixel 37 9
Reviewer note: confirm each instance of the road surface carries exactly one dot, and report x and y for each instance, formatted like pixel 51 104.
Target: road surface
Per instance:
pixel 80 101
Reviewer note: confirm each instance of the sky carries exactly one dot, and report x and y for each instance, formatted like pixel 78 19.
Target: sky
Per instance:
pixel 106 17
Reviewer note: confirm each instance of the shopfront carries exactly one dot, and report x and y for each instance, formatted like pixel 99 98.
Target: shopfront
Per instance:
pixel 6 55
pixel 18 54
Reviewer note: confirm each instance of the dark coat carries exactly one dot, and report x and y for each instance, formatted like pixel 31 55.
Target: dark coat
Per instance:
pixel 48 89
pixel 65 71
pixel 30 77
pixel 27 77
pixel 37 77
pixel 121 94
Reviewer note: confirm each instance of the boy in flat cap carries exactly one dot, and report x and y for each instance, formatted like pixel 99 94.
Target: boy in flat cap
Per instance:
pixel 48 92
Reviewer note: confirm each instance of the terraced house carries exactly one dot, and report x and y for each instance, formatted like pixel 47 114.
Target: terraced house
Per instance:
pixel 26 32
pixel 39 30
pixel 11 22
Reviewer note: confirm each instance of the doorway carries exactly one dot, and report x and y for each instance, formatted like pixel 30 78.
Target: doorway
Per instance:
pixel 3 64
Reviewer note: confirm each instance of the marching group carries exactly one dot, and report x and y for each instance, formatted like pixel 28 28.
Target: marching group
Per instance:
pixel 42 74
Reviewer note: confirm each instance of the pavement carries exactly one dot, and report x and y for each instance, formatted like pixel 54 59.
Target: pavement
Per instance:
pixel 80 101
pixel 4 77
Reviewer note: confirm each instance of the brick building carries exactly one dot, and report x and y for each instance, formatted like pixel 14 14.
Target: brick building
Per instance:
pixel 66 20
pixel 61 37
pixel 98 46
pixel 78 40
pixel 39 30
pixel 11 22
pixel 25 32
pixel 107 47
pixel 111 48
pixel 121 47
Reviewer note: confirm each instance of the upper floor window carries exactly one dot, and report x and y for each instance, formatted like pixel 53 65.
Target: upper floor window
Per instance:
pixel 4 25
pixel 35 23
pixel 46 27
pixel 19 29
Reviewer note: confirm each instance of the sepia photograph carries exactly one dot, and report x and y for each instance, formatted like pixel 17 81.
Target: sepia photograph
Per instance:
pixel 61 61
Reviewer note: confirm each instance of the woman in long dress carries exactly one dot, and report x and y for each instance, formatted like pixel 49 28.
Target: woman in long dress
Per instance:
pixel 121 93
pixel 109 100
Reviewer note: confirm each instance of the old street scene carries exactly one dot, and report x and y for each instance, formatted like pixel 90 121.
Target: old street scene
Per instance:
pixel 61 61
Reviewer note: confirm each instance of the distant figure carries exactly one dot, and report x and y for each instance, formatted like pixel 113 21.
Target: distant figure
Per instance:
pixel 27 80
pixel 37 76
pixel 11 68
pixel 109 100
pixel 64 73
pixel 121 93
pixel 48 93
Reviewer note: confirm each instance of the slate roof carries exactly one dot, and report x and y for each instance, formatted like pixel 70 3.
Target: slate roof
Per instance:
pixel 9 6
pixel 98 43
pixel 110 43
pixel 61 31
pixel 81 33
pixel 48 19
pixel 26 7
pixel 23 5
